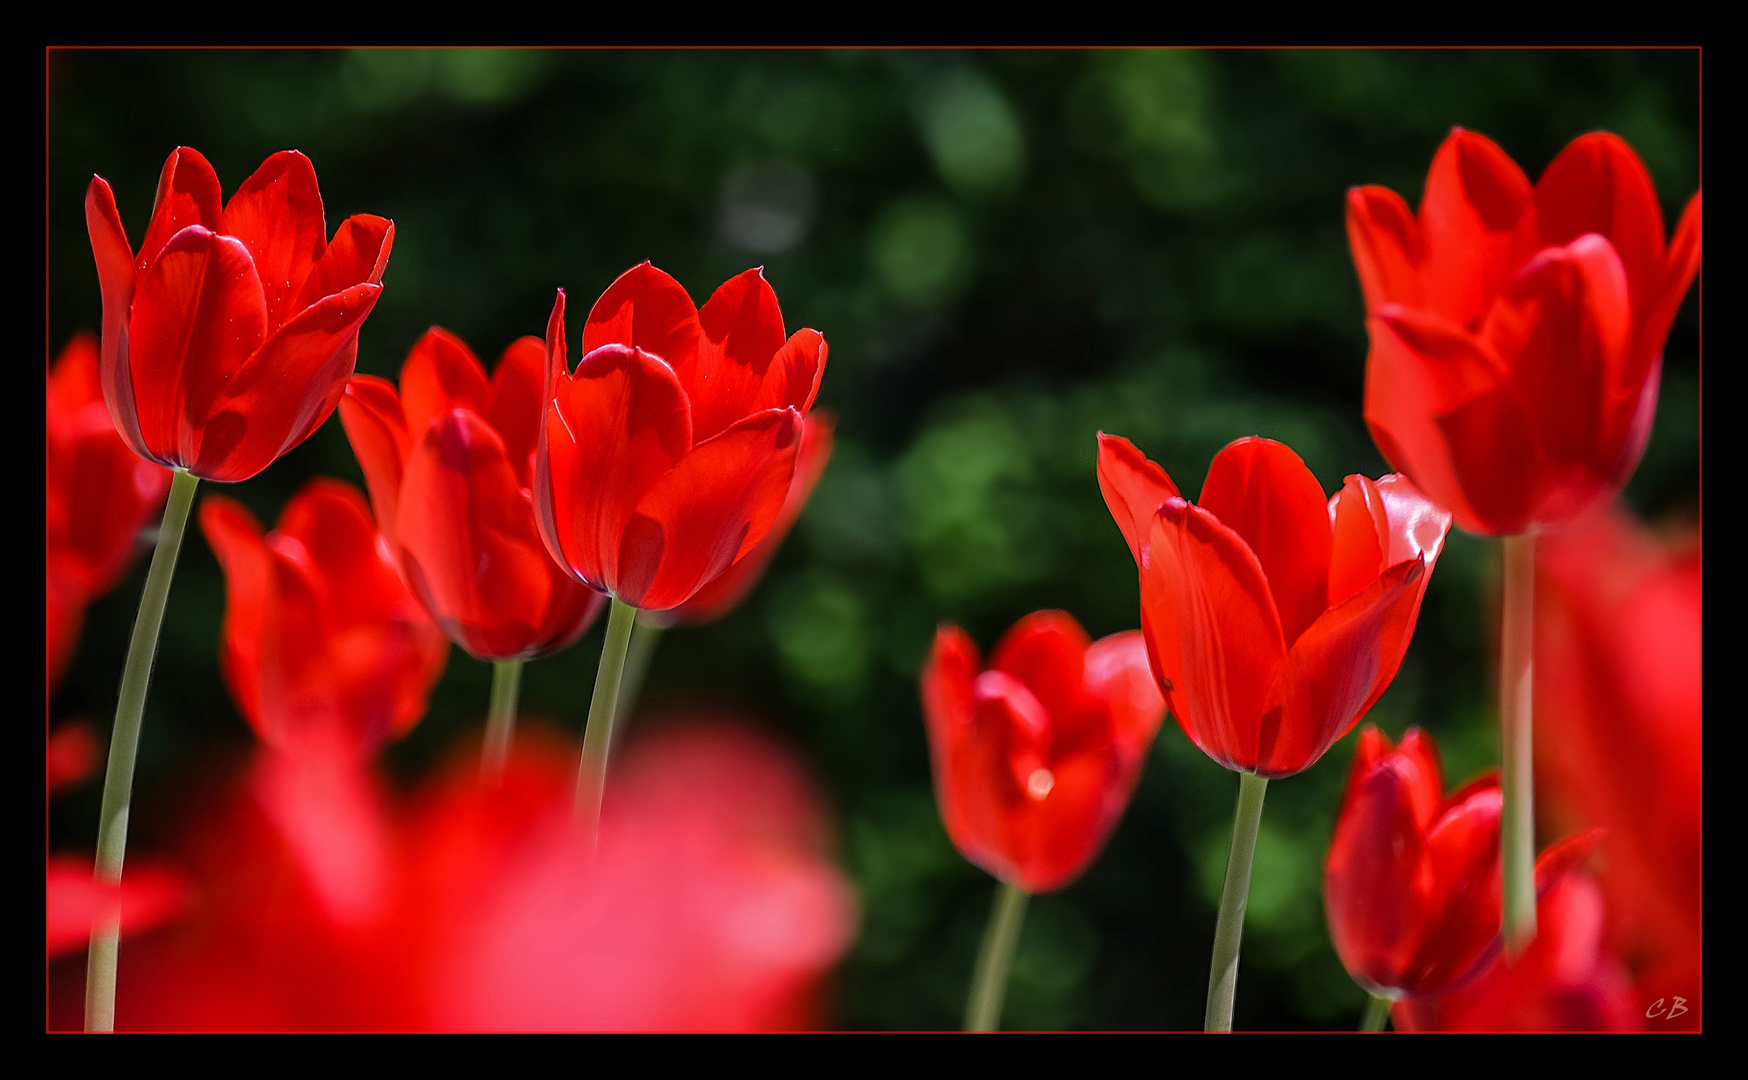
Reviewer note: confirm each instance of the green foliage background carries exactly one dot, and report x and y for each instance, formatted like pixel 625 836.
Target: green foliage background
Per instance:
pixel 1008 251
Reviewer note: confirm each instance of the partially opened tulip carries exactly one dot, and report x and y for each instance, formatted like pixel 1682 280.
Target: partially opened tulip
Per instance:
pixel 1034 761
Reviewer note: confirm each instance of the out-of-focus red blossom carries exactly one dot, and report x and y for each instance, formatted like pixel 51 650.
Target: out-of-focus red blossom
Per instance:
pixel 1274 617
pixel 326 652
pixel 149 895
pixel 1568 979
pixel 1036 757
pixel 668 454
pixel 228 336
pixel 73 751
pixel 725 592
pixel 99 496
pixel 449 460
pixel 1618 734
pixel 1411 886
pixel 1517 332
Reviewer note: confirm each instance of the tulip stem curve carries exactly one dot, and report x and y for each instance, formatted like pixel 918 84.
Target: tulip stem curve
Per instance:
pixel 598 733
pixel 989 980
pixel 1229 927
pixel 124 744
pixel 501 721
pixel 644 637
pixel 1517 840
pixel 1377 1014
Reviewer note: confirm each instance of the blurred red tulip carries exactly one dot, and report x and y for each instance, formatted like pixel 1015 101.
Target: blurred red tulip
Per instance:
pixel 449 460
pixel 73 753
pixel 1411 886
pixel 1618 700
pixel 325 650
pixel 1274 617
pixel 1035 758
pixel 1517 331
pixel 669 453
pixel 150 895
pixel 229 335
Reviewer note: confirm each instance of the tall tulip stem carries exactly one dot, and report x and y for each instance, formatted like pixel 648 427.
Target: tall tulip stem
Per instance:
pixel 1229 927
pixel 124 744
pixel 1377 1014
pixel 989 981
pixel 501 721
pixel 598 734
pixel 644 637
pixel 1517 839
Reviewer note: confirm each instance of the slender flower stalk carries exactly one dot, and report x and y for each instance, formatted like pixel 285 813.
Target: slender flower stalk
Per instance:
pixel 1377 1014
pixel 1229 928
pixel 124 743
pixel 1516 672
pixel 598 734
pixel 501 721
pixel 995 956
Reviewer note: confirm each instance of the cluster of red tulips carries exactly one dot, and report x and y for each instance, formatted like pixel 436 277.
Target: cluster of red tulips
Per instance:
pixel 1516 337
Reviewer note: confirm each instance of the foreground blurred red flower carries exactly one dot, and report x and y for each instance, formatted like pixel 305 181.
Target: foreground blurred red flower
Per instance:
pixel 229 335
pixel 100 495
pixel 325 651
pixel 1618 700
pixel 1035 758
pixel 449 460
pixel 1411 885
pixel 669 453
pixel 1274 617
pixel 1517 332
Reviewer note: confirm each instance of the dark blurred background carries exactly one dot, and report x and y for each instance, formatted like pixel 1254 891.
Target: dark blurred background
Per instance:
pixel 1007 251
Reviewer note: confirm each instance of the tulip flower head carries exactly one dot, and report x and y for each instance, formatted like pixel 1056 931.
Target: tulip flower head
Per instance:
pixel 449 460
pixel 1517 332
pixel 1274 617
pixel 668 454
pixel 1035 758
pixel 228 336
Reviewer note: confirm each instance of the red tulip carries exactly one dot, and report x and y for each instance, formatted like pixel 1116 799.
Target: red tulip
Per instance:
pixel 1517 331
pixel 229 335
pixel 449 461
pixel 100 495
pixel 325 651
pixel 150 895
pixel 1035 758
pixel 1274 618
pixel 1411 886
pixel 669 453
pixel 725 592
pixel 73 753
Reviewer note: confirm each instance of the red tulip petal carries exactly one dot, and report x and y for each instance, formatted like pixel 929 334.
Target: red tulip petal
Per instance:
pixel 1337 669
pixel 1212 630
pixel 1477 220
pixel 1011 729
pixel 1119 677
pixel 1459 894
pixel 73 754
pixel 148 896
pixel 102 495
pixel 514 403
pixel 1372 747
pixel 1387 247
pixel 357 578
pixel 198 316
pixel 277 212
pixel 299 710
pixel 371 414
pixel 357 255
pixel 1417 525
pixel 117 278
pixel 1653 319
pixel 188 194
pixel 1372 864
pixel 75 378
pixel 1598 185
pixel 441 373
pixel 946 689
pixel 1134 488
pixel 235 537
pixel 743 329
pixel 1418 749
pixel 1360 538
pixel 708 510
pixel 282 393
pixel 793 378
pixel 1262 491
pixel 648 310
pixel 610 432
pixel 1046 651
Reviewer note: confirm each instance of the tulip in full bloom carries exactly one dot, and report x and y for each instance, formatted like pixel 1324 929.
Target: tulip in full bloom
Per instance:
pixel 449 461
pixel 1274 618
pixel 228 336
pixel 326 652
pixel 1035 758
pixel 1517 331
pixel 1411 885
pixel 667 455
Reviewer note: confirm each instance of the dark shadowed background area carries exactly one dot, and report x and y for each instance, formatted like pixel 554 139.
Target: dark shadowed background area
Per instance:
pixel 1008 252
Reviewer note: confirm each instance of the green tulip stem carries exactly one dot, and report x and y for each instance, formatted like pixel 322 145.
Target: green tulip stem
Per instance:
pixel 124 745
pixel 598 734
pixel 1229 927
pixel 1517 836
pixel 501 721
pixel 1377 1014
pixel 989 980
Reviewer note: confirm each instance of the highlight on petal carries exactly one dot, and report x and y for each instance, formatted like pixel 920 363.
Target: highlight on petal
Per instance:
pixel 441 373
pixel 1262 491
pixel 370 412
pixel 742 332
pixel 188 194
pixel 1417 525
pixel 277 213
pixel 1134 488
pixel 1388 251
pixel 1478 221
pixel 646 309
